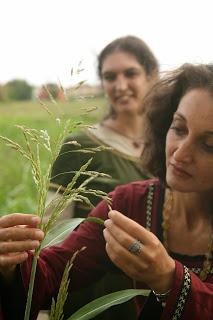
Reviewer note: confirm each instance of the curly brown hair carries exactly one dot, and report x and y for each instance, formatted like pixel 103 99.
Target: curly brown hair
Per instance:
pixel 161 104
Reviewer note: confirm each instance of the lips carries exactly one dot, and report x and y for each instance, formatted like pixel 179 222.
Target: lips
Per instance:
pixel 179 171
pixel 123 98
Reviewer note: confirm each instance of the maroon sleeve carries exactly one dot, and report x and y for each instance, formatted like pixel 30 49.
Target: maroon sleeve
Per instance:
pixel 90 264
pixel 190 298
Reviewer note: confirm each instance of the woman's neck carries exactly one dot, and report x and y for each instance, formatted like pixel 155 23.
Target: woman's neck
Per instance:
pixel 129 126
pixel 187 226
pixel 195 209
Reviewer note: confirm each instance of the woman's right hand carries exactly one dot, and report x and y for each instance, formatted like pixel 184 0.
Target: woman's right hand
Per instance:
pixel 18 234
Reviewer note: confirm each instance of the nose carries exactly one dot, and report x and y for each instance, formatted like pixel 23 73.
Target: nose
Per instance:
pixel 183 152
pixel 121 83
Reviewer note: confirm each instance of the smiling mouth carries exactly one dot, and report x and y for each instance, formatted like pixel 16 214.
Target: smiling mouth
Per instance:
pixel 123 98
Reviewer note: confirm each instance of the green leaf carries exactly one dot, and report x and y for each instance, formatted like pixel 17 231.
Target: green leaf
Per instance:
pixel 96 220
pixel 60 231
pixel 92 309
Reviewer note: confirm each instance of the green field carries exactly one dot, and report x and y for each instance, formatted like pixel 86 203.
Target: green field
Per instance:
pixel 17 191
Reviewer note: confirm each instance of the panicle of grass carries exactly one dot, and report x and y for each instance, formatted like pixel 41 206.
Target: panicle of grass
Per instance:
pixel 63 90
pixel 79 84
pixel 35 141
pixel 50 95
pixel 91 109
pixel 56 312
pixel 65 127
pixel 79 68
pixel 85 150
pixel 73 193
pixel 14 145
pixel 45 107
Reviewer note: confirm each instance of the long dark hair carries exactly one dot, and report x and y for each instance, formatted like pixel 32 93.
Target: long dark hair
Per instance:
pixel 135 46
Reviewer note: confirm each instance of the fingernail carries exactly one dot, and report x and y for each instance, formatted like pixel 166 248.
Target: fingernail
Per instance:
pixel 107 222
pixel 35 219
pixel 35 243
pixel 111 214
pixel 39 234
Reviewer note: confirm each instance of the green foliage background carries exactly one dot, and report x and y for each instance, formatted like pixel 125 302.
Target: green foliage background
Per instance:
pixel 16 185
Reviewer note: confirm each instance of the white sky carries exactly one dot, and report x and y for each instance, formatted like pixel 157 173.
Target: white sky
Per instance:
pixel 41 40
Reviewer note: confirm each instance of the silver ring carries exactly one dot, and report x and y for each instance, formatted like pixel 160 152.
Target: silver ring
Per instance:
pixel 135 247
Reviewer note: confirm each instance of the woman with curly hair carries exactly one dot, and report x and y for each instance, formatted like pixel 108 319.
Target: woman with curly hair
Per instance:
pixel 159 231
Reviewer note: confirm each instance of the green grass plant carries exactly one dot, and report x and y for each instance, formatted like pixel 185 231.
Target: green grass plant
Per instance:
pixel 33 144
pixel 17 191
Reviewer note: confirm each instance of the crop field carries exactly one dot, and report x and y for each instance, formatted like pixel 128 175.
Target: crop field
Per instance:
pixel 17 191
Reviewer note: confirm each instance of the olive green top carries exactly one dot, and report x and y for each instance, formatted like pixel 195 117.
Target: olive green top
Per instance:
pixel 123 167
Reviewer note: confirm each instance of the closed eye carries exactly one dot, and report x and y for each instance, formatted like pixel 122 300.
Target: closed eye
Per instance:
pixel 207 148
pixel 178 130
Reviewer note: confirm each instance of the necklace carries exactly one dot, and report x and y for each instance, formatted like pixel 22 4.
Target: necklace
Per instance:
pixel 168 205
pixel 136 142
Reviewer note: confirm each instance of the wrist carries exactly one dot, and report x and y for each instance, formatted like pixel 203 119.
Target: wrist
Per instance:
pixel 165 281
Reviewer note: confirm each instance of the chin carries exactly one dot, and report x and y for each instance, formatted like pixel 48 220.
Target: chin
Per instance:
pixel 180 186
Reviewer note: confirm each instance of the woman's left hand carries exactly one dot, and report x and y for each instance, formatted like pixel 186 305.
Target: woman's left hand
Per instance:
pixel 152 265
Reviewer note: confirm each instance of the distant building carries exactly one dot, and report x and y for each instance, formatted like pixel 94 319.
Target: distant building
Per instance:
pixel 61 94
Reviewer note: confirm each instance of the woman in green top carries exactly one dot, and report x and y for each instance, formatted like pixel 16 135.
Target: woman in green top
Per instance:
pixel 127 69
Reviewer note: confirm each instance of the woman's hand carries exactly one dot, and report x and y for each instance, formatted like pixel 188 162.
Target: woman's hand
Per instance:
pixel 18 234
pixel 152 265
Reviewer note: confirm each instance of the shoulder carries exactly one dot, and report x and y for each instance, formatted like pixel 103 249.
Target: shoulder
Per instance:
pixel 136 188
pixel 132 200
pixel 133 196
pixel 81 137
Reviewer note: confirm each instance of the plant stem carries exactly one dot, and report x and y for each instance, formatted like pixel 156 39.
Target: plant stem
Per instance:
pixel 31 285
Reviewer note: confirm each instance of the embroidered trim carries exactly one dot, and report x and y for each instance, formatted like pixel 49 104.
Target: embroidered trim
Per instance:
pixel 149 204
pixel 183 295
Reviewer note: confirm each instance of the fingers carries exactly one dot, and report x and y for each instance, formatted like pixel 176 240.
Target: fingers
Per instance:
pixel 148 262
pixel 133 266
pixel 11 260
pixel 15 227
pixel 131 227
pixel 121 236
pixel 126 230
pixel 120 254
pixel 119 243
pixel 20 233
pixel 15 219
pixel 18 246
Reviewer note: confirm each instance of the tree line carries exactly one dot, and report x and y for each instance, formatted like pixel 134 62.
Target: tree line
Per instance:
pixel 20 90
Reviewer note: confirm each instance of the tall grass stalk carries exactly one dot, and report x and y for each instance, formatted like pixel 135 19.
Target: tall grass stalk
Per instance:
pixel 35 143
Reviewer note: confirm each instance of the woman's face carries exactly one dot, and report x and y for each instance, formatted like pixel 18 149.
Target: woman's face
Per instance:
pixel 189 144
pixel 125 82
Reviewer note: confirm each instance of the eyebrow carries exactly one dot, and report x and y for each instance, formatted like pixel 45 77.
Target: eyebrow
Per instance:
pixel 184 119
pixel 180 115
pixel 127 69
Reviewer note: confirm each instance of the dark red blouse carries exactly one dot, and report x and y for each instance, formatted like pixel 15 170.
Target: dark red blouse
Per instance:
pixel 190 298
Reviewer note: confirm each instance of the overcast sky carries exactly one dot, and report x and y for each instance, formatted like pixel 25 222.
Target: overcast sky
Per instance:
pixel 41 40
